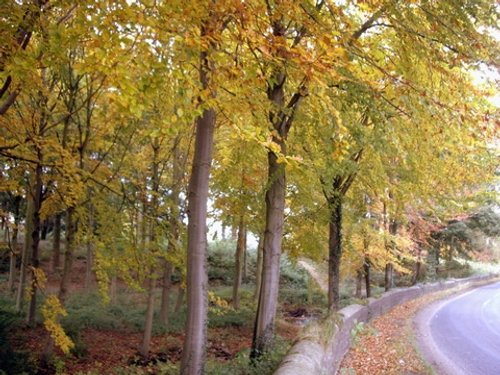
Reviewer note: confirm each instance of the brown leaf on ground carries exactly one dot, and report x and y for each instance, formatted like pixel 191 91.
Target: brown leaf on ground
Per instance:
pixel 108 350
pixel 387 344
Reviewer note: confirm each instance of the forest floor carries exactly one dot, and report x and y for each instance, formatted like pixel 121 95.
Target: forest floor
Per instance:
pixel 108 350
pixel 386 345
pixel 105 350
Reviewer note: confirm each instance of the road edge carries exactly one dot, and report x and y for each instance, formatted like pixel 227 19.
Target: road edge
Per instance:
pixel 426 346
pixel 322 345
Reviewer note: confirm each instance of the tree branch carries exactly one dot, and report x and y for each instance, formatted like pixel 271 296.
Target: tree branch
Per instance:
pixel 368 24
pixel 9 101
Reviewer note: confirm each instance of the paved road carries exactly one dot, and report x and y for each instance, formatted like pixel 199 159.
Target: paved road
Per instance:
pixel 461 335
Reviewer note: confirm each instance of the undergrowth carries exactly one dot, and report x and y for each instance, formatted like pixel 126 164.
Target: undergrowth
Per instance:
pixel 239 365
pixel 12 361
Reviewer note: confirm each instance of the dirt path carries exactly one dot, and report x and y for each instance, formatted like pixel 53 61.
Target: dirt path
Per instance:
pixel 320 279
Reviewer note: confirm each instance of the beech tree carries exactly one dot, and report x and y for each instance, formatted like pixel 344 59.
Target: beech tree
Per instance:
pixel 340 126
pixel 193 354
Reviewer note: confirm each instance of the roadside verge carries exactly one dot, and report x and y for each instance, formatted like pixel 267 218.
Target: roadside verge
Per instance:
pixel 320 348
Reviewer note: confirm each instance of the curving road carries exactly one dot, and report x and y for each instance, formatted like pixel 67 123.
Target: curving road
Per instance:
pixel 461 335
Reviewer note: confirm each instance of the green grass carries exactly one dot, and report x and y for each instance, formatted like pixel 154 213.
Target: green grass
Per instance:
pixel 244 317
pixel 226 292
pixel 89 311
pixel 128 314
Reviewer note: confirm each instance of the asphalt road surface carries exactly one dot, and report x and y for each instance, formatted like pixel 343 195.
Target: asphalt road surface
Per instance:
pixel 461 335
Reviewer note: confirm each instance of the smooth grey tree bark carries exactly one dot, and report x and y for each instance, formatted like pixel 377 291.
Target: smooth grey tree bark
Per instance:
pixel 13 243
pixel 239 260
pixel 166 289
pixel 174 230
pixel 56 243
pixel 180 299
pixel 25 256
pixel 68 254
pixel 193 355
pixel 268 295
pixel 89 249
pixel 281 118
pixel 12 259
pixel 153 212
pixel 389 267
pixel 258 269
pixel 148 324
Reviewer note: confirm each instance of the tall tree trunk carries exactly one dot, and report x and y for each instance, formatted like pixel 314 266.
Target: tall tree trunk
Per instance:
pixel 244 275
pixel 281 117
pixel 13 245
pixel 359 282
pixel 88 266
pixel 44 229
pixel 25 256
pixel 56 243
pixel 273 235
pixel 239 258
pixel 437 261
pixel 389 273
pixel 113 290
pixel 153 213
pixel 258 269
pixel 366 267
pixel 68 254
pixel 180 299
pixel 418 267
pixel 13 257
pixel 193 355
pixel 389 267
pixel 234 233
pixel 174 220
pixel 148 325
pixel 35 240
pixel 335 253
pixel 90 251
pixel 165 292
pixel 4 229
pixel 416 275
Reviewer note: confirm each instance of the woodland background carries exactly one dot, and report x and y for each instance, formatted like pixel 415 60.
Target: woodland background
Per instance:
pixel 356 142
